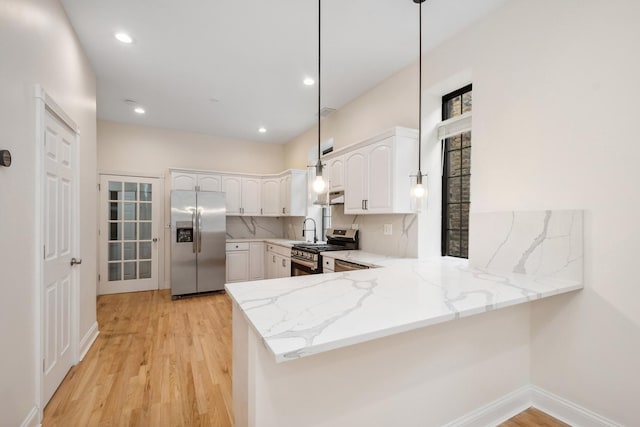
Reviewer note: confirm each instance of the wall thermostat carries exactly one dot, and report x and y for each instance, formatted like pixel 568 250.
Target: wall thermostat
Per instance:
pixel 5 158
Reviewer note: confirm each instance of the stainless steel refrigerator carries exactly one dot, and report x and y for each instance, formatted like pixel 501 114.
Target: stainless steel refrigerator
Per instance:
pixel 198 237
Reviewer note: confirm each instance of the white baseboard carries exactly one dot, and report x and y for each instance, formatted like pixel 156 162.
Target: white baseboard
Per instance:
pixel 519 400
pixel 87 341
pixel 32 419
pixel 497 411
pixel 567 411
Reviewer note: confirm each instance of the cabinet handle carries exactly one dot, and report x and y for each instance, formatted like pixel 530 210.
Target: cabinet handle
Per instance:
pixel 362 205
pixel 282 210
pixel 274 259
pixel 260 211
pixel 283 263
pixel 366 205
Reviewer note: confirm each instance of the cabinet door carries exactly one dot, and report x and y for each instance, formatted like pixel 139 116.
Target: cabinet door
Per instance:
pixel 336 174
pixel 380 178
pixel 285 194
pixel 232 187
pixel 356 175
pixel 283 266
pixel 251 196
pixel 183 181
pixel 298 194
pixel 256 261
pixel 271 197
pixel 237 266
pixel 210 182
pixel 270 265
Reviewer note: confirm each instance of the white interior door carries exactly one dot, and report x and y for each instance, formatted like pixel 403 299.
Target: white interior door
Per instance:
pixel 129 229
pixel 59 227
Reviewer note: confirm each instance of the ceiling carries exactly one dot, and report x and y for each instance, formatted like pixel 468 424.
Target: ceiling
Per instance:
pixel 226 68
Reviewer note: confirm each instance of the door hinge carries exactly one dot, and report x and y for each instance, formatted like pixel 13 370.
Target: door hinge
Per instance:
pixel 43 365
pixel 98 277
pixel 44 251
pixel 99 187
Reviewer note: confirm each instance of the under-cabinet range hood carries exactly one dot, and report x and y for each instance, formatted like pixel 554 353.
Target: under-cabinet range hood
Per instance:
pixel 333 198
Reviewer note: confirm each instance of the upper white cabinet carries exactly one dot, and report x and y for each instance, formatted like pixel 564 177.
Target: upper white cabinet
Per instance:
pixel 293 193
pixel 284 194
pixel 376 179
pixel 251 203
pixel 208 182
pixel 232 187
pixel 271 197
pixel 242 195
pixel 336 170
pixel 195 181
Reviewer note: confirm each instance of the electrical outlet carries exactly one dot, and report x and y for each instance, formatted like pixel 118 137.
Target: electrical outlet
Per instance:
pixel 354 226
pixel 388 229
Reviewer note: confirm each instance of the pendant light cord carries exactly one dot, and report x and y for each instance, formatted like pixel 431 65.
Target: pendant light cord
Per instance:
pixel 420 95
pixel 319 83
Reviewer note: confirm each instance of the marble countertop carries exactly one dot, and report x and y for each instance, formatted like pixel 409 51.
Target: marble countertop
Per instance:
pixel 305 315
pixel 281 242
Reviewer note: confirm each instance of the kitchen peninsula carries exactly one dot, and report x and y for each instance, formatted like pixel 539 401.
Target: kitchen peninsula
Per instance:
pixel 374 359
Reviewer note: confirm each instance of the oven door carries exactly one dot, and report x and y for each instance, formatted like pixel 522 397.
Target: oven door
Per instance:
pixel 302 268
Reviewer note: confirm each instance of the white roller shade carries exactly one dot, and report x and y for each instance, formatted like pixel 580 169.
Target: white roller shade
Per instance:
pixel 454 126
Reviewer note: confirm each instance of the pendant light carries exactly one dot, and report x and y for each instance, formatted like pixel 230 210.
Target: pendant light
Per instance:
pixel 319 184
pixel 419 191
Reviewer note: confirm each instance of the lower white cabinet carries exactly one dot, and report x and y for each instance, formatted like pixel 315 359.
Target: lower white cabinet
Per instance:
pixel 277 261
pixel 256 261
pixel 245 261
pixel 237 262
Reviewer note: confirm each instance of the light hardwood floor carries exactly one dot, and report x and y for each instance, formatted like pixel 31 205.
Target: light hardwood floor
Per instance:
pixel 156 362
pixel 159 363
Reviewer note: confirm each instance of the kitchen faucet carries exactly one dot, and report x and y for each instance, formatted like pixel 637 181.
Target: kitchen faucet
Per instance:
pixel 315 234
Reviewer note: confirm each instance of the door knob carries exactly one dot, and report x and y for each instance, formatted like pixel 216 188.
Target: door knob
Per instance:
pixel 75 261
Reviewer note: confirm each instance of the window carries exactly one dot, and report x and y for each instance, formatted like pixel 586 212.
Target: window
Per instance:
pixel 456 178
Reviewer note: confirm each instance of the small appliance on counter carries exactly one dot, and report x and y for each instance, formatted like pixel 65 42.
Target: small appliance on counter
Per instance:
pixel 306 258
pixel 198 242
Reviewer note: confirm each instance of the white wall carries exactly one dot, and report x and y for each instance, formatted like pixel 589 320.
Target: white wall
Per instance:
pixel 556 95
pixel 37 46
pixel 555 104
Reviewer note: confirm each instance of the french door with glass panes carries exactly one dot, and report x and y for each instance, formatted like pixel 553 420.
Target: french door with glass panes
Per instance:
pixel 129 222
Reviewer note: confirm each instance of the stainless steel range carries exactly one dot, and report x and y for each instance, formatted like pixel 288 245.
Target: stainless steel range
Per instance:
pixel 306 258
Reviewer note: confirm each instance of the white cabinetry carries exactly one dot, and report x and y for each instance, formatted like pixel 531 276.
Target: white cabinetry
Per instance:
pixel 242 195
pixel 377 174
pixel 277 261
pixel 237 262
pixel 245 261
pixel 195 181
pixel 271 197
pixel 251 195
pixel 256 260
pixel 335 168
pixel 293 193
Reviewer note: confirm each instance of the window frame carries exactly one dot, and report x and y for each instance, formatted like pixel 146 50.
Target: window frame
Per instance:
pixel 445 175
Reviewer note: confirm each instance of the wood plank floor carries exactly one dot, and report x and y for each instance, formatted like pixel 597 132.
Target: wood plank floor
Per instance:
pixel 156 362
pixel 533 417
pixel 159 362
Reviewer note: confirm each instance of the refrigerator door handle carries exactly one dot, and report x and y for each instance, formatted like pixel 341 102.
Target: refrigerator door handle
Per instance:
pixel 194 228
pixel 199 219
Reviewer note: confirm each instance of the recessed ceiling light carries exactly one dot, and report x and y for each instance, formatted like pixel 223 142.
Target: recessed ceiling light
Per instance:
pixel 308 81
pixel 139 110
pixel 124 38
pixel 262 130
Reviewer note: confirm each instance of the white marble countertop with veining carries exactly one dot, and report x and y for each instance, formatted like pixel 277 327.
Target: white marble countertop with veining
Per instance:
pixel 281 242
pixel 305 315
